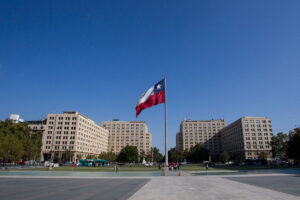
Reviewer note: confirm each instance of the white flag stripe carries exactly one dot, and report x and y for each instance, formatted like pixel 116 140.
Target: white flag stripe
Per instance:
pixel 146 96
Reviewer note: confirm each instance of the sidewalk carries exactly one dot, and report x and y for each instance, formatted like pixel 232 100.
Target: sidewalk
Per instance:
pixel 205 187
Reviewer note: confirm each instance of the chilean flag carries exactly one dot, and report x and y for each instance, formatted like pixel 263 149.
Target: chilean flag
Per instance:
pixel 155 95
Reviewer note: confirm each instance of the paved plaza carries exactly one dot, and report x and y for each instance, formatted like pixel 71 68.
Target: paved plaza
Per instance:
pixel 215 187
pixel 285 184
pixel 68 188
pixel 250 186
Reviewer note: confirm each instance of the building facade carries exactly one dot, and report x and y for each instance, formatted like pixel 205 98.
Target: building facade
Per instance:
pixel 123 133
pixel 37 125
pixel 75 132
pixel 200 132
pixel 247 137
pixel 15 118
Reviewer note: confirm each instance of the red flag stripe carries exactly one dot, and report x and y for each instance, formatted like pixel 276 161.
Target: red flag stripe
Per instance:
pixel 153 100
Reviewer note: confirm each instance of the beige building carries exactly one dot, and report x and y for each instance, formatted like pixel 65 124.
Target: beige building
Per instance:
pixel 247 137
pixel 37 125
pixel 200 132
pixel 123 133
pixel 75 132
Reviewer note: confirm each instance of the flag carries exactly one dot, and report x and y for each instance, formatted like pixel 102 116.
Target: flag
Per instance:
pixel 155 95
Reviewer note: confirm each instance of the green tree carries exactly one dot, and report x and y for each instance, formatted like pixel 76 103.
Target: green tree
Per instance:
pixel 91 157
pixel 177 156
pixel 148 158
pixel 263 155
pixel 142 155
pixel 36 142
pixel 108 156
pixel 279 145
pixel 157 156
pixel 293 147
pixel 128 154
pixel 180 156
pixel 224 157
pixel 172 155
pixel 11 149
pixel 15 141
pixel 197 154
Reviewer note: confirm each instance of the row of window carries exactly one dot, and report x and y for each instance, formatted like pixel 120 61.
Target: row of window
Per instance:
pixel 61 118
pixel 258 138
pixel 265 129
pixel 204 124
pixel 123 125
pixel 257 121
pixel 257 125
pixel 258 147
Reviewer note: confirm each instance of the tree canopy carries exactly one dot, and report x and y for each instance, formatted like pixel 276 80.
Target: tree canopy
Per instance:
pixel 279 145
pixel 18 143
pixel 128 154
pixel 108 156
pixel 197 154
pixel 157 156
pixel 293 147
pixel 224 157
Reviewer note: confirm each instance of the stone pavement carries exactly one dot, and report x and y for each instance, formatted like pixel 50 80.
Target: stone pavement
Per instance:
pixel 51 188
pixel 206 187
pixel 243 186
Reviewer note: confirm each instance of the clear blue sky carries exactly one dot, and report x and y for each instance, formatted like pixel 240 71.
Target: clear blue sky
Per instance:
pixel 222 59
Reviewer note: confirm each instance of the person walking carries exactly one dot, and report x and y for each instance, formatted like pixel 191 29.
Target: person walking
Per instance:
pixel 206 166
pixel 116 168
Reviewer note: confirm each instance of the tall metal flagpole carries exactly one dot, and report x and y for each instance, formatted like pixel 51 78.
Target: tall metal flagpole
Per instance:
pixel 166 148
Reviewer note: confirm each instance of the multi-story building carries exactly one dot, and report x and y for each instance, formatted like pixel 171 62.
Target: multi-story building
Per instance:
pixel 37 125
pixel 179 141
pixel 75 132
pixel 200 132
pixel 15 118
pixel 123 133
pixel 247 137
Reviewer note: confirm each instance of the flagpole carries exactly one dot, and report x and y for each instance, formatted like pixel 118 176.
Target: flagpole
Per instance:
pixel 166 148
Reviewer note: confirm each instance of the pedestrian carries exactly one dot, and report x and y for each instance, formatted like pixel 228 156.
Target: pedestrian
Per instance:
pixel 116 168
pixel 206 165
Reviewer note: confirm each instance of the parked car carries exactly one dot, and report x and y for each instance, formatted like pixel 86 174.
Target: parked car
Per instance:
pixel 149 164
pixel 47 164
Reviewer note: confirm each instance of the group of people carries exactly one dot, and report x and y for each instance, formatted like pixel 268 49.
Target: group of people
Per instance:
pixel 174 167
